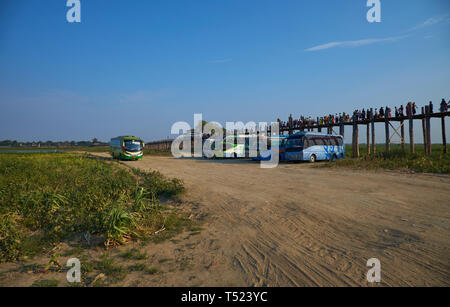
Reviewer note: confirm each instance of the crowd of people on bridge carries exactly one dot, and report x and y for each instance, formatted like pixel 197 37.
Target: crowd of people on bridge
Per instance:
pixel 361 115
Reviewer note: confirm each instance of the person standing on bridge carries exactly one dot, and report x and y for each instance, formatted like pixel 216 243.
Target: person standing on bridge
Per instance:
pixel 444 106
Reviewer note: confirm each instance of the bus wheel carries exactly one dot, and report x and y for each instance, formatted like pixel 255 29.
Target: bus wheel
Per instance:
pixel 334 158
pixel 312 158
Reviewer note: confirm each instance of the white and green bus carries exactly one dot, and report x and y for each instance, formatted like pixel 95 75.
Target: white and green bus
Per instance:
pixel 127 148
pixel 228 147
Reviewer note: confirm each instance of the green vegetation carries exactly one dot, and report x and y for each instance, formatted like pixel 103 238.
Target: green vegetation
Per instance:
pixel 45 283
pixel 13 143
pixel 142 267
pixel 48 198
pixel 134 253
pixel 85 148
pixel 396 159
pixel 158 185
pixel 155 152
pixel 113 272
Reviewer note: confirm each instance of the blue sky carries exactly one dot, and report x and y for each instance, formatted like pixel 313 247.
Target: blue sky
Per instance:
pixel 137 67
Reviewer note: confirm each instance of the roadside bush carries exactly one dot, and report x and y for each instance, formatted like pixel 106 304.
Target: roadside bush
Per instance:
pixel 46 198
pixel 10 238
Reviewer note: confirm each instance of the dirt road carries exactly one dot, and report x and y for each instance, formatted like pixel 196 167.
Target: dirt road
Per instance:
pixel 298 225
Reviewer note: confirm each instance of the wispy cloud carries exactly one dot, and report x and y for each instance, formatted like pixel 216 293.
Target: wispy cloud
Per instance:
pixel 220 60
pixel 370 41
pixel 355 43
pixel 429 22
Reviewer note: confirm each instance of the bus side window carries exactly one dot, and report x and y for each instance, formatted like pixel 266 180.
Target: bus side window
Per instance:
pixel 306 143
pixel 332 141
pixel 321 141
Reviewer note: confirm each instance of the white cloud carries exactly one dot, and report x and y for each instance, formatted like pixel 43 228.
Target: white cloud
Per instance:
pixel 428 22
pixel 355 43
pixel 364 42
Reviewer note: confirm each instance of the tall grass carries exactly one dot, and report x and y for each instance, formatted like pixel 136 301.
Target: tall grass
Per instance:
pixel 397 159
pixel 46 198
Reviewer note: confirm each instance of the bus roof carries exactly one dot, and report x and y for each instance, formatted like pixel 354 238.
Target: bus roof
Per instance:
pixel 127 137
pixel 305 133
pixel 278 136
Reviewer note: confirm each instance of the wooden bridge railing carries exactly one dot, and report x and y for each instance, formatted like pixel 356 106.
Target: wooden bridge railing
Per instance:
pixel 159 145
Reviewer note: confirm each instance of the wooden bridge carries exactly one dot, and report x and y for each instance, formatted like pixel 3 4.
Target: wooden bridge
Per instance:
pixel 159 145
pixel 425 117
pixel 369 122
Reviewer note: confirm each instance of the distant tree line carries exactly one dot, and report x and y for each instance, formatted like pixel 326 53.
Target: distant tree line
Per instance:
pixel 94 142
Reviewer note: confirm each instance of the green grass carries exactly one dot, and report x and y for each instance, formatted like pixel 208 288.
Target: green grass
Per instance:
pixel 47 198
pixel 45 283
pixel 138 267
pixel 113 272
pixel 396 159
pixel 134 253
pixel 86 148
pixel 142 267
pixel 59 149
pixel 151 271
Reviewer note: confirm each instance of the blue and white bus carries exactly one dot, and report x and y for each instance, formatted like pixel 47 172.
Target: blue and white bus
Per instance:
pixel 312 147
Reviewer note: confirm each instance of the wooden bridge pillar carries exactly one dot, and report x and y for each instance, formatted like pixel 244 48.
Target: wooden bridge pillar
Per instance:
pixel 235 133
pixel 386 127
pixel 368 138
pixel 342 129
pixel 411 128
pixel 444 139
pixel 402 133
pixel 372 125
pixel 428 124
pixel 355 140
pixel 424 129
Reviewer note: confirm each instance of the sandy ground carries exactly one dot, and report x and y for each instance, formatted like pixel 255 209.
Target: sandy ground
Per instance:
pixel 298 225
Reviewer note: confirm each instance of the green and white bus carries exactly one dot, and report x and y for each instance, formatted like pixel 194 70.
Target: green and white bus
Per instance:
pixel 127 148
pixel 228 148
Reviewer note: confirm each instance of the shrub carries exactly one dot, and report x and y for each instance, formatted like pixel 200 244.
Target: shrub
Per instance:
pixel 46 198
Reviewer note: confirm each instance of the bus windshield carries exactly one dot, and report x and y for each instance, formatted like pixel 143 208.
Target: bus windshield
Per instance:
pixel 293 143
pixel 133 146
